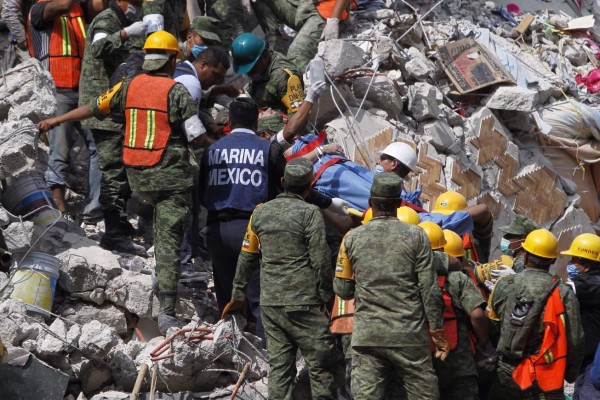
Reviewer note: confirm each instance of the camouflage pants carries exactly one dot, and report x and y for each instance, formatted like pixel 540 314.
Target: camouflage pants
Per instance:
pixel 464 388
pixel 304 19
pixel 172 217
pixel 410 368
pixel 299 327
pixel 114 186
pixel 505 388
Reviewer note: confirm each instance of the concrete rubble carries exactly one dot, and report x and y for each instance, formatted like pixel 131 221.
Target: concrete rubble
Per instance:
pixel 388 85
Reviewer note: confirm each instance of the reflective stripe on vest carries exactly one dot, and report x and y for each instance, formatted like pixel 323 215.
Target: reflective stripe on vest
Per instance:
pixel 548 366
pixel 65 48
pixel 470 250
pixel 450 318
pixel 342 316
pixel 147 127
pixel 325 9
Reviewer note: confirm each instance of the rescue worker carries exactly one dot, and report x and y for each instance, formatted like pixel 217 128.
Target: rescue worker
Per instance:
pixel 168 15
pixel 585 258
pixel 512 240
pixel 286 237
pixel 465 323
pixel 111 37
pixel 541 338
pixel 311 20
pixel 276 83
pixel 239 172
pixel 399 158
pixel 155 154
pixel 203 32
pixel 229 13
pixel 51 25
pixel 386 265
pixel 478 243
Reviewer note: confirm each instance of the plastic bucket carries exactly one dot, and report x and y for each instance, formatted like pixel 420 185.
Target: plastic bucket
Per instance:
pixel 35 281
pixel 27 194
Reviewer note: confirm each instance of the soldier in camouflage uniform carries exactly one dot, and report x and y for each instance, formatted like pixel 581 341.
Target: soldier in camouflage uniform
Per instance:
pixel 512 241
pixel 112 35
pixel 386 265
pixel 457 375
pixel 230 14
pixel 300 15
pixel 286 237
pixel 176 20
pixel 531 290
pixel 276 83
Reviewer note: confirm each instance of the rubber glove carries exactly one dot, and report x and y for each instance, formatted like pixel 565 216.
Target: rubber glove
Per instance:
pixel 441 344
pixel 338 206
pixel 332 29
pixel 135 29
pixel 234 306
pixel 504 271
pixel 314 91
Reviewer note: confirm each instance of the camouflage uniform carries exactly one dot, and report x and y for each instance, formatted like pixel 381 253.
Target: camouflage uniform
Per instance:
pixel 174 14
pixel 533 284
pixel 521 226
pixel 167 186
pixel 279 90
pixel 457 375
pixel 100 61
pixel 296 284
pixel 230 14
pixel 300 15
pixel 397 300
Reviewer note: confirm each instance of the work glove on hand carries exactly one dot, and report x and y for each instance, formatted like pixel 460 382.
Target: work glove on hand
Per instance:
pixel 234 306
pixel 486 357
pixel 502 271
pixel 135 29
pixel 441 344
pixel 332 29
pixel 338 206
pixel 490 285
pixel 314 91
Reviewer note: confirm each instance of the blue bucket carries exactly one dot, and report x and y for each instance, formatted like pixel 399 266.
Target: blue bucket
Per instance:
pixel 27 194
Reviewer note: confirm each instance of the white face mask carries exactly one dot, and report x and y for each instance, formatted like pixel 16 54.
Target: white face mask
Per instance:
pixel 133 13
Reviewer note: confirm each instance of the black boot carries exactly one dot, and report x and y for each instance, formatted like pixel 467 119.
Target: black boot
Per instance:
pixel 115 239
pixel 166 315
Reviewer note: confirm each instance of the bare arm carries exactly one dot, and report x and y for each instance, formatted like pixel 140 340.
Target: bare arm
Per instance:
pixel 56 8
pixel 480 326
pixel 78 114
pixel 339 7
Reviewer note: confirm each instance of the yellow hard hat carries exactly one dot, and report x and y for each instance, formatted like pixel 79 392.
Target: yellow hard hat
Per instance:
pixel 434 233
pixel 541 243
pixel 163 40
pixel 449 202
pixel 454 244
pixel 408 215
pixel 586 245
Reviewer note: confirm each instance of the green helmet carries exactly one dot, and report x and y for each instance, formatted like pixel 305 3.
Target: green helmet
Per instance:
pixel 246 50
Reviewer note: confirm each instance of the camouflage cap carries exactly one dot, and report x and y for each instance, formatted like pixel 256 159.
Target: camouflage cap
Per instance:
pixel 387 185
pixel 521 226
pixel 206 27
pixel 298 172
pixel 272 123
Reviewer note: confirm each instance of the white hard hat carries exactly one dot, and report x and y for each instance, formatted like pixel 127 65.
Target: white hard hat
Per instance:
pixel 403 153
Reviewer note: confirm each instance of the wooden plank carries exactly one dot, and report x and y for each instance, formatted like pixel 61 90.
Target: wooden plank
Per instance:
pixel 525 23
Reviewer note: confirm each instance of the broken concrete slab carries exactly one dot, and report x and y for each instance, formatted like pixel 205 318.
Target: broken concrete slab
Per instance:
pixel 97 339
pixel 18 236
pixel 18 148
pixel 93 376
pixel 381 92
pixel 418 66
pixel 134 292
pixel 87 267
pixel 340 55
pixel 441 136
pixel 14 326
pixel 107 314
pixel 422 101
pixel 60 339
pixel 513 98
pixel 29 378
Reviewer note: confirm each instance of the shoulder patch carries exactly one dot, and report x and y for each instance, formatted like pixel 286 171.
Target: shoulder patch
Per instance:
pixel 103 101
pixel 294 94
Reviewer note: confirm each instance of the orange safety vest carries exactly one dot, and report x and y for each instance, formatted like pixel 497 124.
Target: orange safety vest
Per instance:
pixel 325 8
pixel 450 318
pixel 147 127
pixel 65 50
pixel 470 250
pixel 342 316
pixel 548 366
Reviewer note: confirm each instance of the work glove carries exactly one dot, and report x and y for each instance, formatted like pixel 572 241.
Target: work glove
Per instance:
pixel 490 285
pixel 338 206
pixel 332 29
pixel 486 357
pixel 234 306
pixel 502 271
pixel 314 91
pixel 135 29
pixel 441 344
